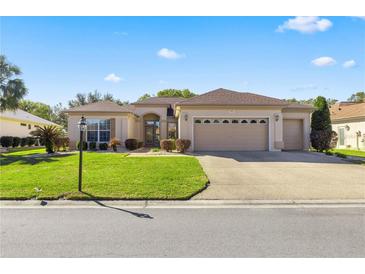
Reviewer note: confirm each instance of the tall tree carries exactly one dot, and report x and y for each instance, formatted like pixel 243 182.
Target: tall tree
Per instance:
pixel 143 97
pixel 12 89
pixel 321 134
pixel 93 97
pixel 186 93
pixel 58 116
pixel 357 97
pixel 37 108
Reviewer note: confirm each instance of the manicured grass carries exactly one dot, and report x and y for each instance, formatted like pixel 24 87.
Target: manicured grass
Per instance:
pixel 25 151
pixel 349 152
pixel 105 176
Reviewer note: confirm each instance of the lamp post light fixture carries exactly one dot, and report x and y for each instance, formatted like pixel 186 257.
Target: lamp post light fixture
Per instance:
pixel 82 124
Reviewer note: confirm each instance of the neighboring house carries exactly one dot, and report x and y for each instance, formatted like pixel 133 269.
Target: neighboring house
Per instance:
pixel 217 120
pixel 348 120
pixel 19 123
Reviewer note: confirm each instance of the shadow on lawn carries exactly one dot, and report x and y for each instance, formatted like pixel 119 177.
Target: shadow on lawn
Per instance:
pixel 136 214
pixel 29 160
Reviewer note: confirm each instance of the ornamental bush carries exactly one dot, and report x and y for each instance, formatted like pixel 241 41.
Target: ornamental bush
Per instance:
pixel 92 145
pixel 182 145
pixel 321 139
pixel 16 141
pixel 167 144
pixel 61 142
pixel 23 141
pixel 140 144
pixel 30 141
pixel 103 146
pixel 6 141
pixel 131 144
pixel 84 145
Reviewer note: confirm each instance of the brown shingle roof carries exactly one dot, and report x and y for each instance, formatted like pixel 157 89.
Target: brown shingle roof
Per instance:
pixel 160 101
pixel 105 106
pixel 229 97
pixel 341 112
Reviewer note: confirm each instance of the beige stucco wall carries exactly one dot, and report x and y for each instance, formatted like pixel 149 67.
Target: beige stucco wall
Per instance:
pixel 121 125
pixel 161 111
pixel 275 127
pixel 9 127
pixel 305 117
pixel 351 139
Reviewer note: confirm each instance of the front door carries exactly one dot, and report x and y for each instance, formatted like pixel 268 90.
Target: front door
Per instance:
pixel 152 133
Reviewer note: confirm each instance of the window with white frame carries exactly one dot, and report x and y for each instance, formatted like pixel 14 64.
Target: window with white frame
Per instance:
pixel 98 130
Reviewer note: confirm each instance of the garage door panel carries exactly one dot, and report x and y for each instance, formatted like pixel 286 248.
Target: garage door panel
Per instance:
pixel 293 134
pixel 231 137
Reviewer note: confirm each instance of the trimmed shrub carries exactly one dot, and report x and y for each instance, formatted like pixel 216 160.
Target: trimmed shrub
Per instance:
pixel 16 141
pixel 131 144
pixel 182 145
pixel 140 144
pixel 92 145
pixel 114 143
pixel 334 139
pixel 6 141
pixel 321 139
pixel 61 142
pixel 84 145
pixel 23 141
pixel 103 146
pixel 30 141
pixel 166 144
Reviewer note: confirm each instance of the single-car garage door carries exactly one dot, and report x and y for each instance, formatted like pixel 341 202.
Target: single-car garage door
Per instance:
pixel 293 134
pixel 217 134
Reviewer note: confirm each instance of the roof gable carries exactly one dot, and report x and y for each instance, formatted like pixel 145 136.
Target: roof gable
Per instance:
pixel 25 116
pixel 229 97
pixel 340 111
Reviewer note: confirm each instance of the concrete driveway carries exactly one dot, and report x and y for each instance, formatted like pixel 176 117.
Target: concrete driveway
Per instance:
pixel 280 176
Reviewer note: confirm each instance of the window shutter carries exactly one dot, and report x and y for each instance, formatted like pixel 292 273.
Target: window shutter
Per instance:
pixel 112 128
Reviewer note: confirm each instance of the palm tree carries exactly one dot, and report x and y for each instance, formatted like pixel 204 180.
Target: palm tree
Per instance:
pixel 12 89
pixel 48 134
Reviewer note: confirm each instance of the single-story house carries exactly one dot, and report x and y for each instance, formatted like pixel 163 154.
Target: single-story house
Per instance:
pixel 348 120
pixel 217 120
pixel 19 123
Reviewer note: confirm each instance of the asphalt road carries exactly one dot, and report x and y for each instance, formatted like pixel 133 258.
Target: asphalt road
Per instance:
pixel 236 232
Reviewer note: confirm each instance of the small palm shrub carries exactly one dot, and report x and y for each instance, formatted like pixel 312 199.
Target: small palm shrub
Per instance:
pixel 182 145
pixel 131 144
pixel 103 146
pixel 114 143
pixel 16 141
pixel 6 141
pixel 49 134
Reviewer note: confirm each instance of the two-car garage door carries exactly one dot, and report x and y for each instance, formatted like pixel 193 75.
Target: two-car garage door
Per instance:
pixel 234 134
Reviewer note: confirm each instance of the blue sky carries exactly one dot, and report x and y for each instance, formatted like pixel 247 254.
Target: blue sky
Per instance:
pixel 283 57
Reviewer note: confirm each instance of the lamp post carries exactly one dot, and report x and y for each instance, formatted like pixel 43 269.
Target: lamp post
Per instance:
pixel 82 126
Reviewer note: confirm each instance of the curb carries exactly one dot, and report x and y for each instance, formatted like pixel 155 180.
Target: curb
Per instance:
pixel 182 204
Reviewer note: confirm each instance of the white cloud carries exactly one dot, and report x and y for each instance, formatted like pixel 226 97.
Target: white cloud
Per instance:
pixel 169 54
pixel 113 78
pixel 349 64
pixel 305 24
pixel 360 17
pixel 324 61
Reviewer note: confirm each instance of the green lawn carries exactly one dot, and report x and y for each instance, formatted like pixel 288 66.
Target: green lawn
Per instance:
pixel 349 152
pixel 106 176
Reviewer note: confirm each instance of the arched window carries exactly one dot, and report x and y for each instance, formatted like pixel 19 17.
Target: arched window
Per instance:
pixel 234 121
pixel 198 121
pixel 207 122
pixel 253 122
pixel 244 122
pixel 262 122
pixel 216 121
pixel 225 122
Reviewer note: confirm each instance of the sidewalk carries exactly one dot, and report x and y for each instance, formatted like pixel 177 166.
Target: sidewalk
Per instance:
pixel 182 204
